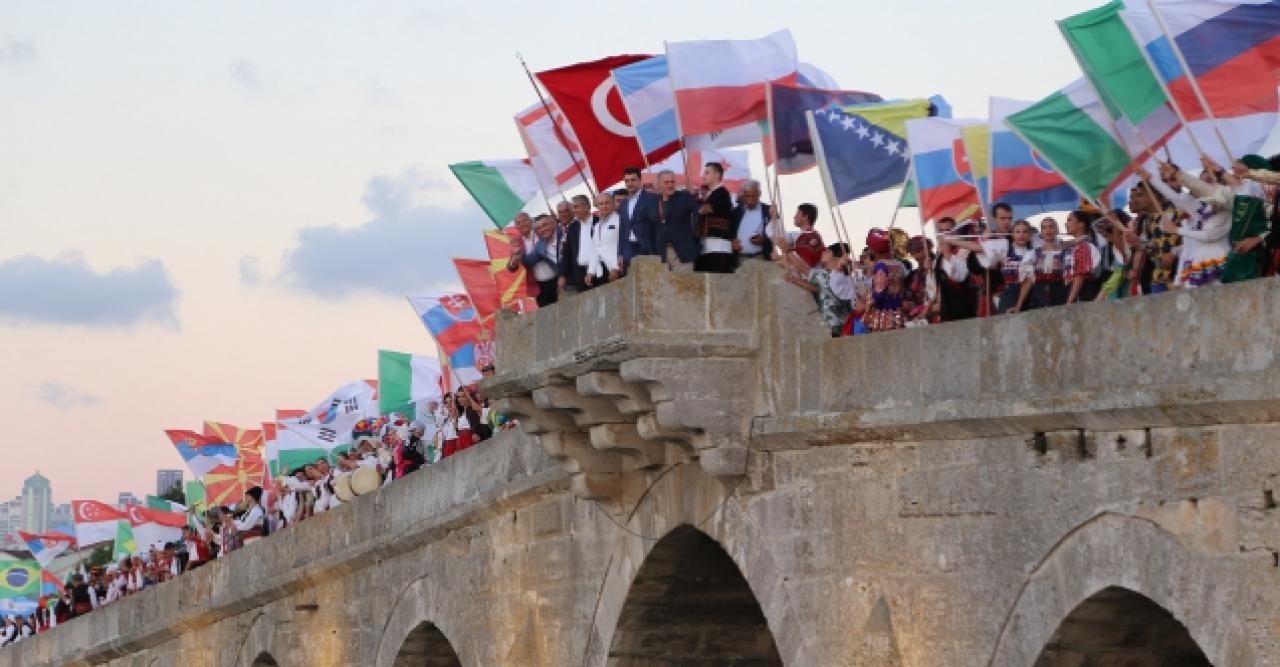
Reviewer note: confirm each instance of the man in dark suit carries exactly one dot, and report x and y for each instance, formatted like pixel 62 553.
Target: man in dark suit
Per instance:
pixel 673 210
pixel 750 240
pixel 638 213
pixel 575 259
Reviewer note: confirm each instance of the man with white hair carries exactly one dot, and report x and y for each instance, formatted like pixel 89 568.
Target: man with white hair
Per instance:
pixel 605 232
pixel 750 221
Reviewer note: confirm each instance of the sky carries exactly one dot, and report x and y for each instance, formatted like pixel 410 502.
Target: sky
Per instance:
pixel 213 210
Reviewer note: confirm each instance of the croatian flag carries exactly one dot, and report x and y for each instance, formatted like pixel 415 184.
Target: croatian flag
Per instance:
pixel 201 453
pixel 1019 176
pixel 720 84
pixel 651 104
pixel 46 546
pixel 944 179
pixel 1233 49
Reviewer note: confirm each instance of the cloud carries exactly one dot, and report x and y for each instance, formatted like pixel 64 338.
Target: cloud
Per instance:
pixel 65 397
pixel 244 73
pixel 13 51
pixel 250 270
pixel 406 247
pixel 65 290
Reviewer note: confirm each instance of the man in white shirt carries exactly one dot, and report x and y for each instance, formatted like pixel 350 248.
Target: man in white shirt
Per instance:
pixel 605 232
pixel 750 221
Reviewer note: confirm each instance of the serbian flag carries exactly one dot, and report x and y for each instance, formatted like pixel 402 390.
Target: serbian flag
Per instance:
pixel 95 521
pixel 1020 177
pixel 155 527
pixel 588 96
pixel 720 84
pixel 46 546
pixel 553 148
pixel 202 454
pixel 945 181
pixel 248 444
pixel 458 329
pixel 1233 50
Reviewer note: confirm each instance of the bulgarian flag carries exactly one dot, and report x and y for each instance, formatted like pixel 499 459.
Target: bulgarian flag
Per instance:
pixel 404 379
pixel 1074 132
pixel 500 187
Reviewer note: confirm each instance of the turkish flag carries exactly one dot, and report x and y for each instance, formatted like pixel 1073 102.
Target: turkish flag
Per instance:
pixel 589 100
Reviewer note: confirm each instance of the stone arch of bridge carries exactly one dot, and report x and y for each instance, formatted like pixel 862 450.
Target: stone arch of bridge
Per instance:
pixel 264 659
pixel 416 632
pixel 1120 559
pixel 1116 625
pixel 257 646
pixel 686 498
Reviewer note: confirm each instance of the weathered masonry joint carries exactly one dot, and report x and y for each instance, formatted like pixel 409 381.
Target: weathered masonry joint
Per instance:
pixel 702 476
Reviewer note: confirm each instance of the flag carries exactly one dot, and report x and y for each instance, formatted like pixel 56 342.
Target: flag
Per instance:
pixel 651 104
pixel 977 148
pixel 1231 47
pixel 863 148
pixel 95 522
pixel 1113 63
pixel 720 84
pixel 50 584
pixel 736 163
pixel 201 454
pixel 1019 176
pixel 512 286
pixel 46 546
pixel 553 148
pixel 1074 133
pixel 125 545
pixel 324 429
pixel 406 378
pixel 500 187
pixel 479 284
pixel 148 527
pixel 453 322
pixel 588 96
pixel 195 494
pixel 19 578
pixel 788 138
pixel 248 444
pixel 163 504
pixel 943 176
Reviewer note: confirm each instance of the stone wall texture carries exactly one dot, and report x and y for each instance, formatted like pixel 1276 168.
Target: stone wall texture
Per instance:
pixel 702 477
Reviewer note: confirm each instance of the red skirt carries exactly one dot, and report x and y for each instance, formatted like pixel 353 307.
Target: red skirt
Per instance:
pixel 450 447
pixel 465 439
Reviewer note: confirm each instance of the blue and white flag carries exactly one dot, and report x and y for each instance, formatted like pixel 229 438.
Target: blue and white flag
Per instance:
pixel 651 103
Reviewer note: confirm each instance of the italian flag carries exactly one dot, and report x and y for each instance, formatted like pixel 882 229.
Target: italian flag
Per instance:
pixel 1075 133
pixel 500 187
pixel 404 379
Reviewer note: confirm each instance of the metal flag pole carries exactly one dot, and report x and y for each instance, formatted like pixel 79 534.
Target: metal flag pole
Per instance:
pixel 1191 78
pixel 556 126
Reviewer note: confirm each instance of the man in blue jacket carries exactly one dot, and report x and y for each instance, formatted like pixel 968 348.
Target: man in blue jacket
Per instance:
pixel 673 211
pixel 638 213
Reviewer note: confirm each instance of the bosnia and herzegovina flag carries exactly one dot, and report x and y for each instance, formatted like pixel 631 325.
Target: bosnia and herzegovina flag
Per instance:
pixel 945 179
pixel 862 149
pixel 19 579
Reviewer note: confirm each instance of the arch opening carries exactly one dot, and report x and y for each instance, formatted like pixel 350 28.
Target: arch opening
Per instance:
pixel 426 646
pixel 689 604
pixel 264 659
pixel 1117 626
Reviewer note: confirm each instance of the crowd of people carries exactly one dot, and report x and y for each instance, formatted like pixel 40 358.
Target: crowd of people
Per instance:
pixel 384 450
pixel 1180 231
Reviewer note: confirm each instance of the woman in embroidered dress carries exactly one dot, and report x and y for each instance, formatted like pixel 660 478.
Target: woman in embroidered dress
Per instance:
pixel 1205 232
pixel 1017 267
pixel 1080 264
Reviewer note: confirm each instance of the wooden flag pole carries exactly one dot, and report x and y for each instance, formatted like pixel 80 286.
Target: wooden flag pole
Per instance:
pixel 1191 78
pixel 556 126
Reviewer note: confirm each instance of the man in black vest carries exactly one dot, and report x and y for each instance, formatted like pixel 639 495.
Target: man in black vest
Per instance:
pixel 749 220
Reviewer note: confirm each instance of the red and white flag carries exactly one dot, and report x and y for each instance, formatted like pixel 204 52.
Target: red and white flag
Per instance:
pixel 553 148
pixel 589 98
pixel 720 84
pixel 736 163
pixel 95 522
pixel 155 527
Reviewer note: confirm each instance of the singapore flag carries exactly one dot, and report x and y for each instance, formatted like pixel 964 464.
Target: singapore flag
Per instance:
pixel 95 521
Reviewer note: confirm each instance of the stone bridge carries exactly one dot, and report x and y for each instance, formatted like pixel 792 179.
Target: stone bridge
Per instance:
pixel 704 478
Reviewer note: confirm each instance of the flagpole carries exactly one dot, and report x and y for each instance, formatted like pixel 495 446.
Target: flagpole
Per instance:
pixel 1173 103
pixel 820 154
pixel 1191 78
pixel 675 105
pixel 556 126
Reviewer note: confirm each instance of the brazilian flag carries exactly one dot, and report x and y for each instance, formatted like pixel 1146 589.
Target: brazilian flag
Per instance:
pixel 19 578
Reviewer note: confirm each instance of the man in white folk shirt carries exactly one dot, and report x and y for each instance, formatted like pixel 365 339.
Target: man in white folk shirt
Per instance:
pixel 605 263
pixel 750 222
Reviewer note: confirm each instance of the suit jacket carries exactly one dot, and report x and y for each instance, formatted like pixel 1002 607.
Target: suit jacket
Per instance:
pixel 541 254
pixel 736 222
pixel 570 270
pixel 642 225
pixel 675 225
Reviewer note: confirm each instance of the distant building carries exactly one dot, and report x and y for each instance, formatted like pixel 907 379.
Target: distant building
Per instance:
pixel 60 518
pixel 37 503
pixel 166 480
pixel 126 499
pixel 11 516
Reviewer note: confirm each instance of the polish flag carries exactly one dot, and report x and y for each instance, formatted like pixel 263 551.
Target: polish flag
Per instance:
pixel 720 84
pixel 95 522
pixel 588 96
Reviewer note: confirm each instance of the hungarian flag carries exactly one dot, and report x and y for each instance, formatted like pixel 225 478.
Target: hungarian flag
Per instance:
pixel 95 521
pixel 46 546
pixel 589 98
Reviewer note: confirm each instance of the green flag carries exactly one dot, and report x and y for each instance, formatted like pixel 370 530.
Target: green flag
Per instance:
pixel 1113 61
pixel 125 546
pixel 19 579
pixel 500 187
pixel 404 379
pixel 194 492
